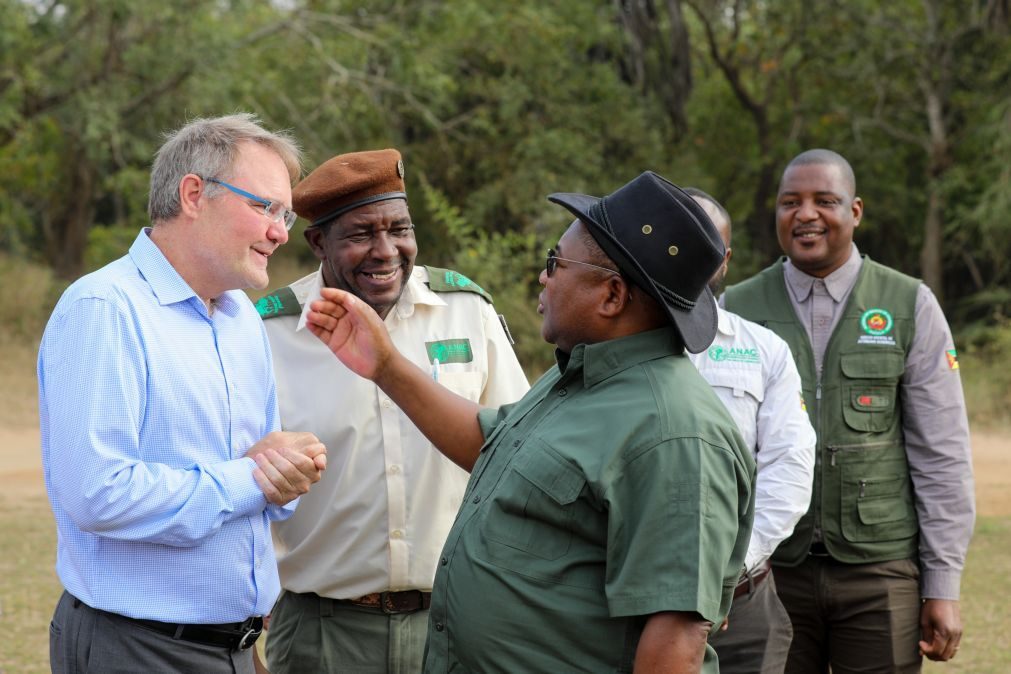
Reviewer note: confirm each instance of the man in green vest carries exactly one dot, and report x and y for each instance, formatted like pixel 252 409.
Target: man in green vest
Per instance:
pixel 871 575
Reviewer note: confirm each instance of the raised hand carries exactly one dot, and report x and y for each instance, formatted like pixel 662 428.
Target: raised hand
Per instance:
pixel 352 331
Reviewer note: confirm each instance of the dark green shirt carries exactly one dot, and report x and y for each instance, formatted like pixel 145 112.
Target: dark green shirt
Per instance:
pixel 616 488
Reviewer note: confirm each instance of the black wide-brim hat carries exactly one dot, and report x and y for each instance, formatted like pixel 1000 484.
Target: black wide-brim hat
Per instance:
pixel 663 241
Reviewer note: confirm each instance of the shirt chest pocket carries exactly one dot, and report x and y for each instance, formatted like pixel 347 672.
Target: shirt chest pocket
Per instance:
pixel 534 507
pixel 743 385
pixel 465 384
pixel 870 389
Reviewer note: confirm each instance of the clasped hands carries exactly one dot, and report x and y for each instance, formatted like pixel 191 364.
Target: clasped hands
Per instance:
pixel 287 464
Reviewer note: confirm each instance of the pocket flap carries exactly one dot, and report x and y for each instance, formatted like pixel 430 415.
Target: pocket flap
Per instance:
pixel 741 382
pixel 873 364
pixel 552 475
pixel 880 510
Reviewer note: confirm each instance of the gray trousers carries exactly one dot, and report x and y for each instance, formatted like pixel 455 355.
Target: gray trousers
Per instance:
pixel 83 640
pixel 854 618
pixel 758 636
pixel 309 633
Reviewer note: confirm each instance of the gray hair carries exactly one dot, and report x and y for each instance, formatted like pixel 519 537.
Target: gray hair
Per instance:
pixel 208 148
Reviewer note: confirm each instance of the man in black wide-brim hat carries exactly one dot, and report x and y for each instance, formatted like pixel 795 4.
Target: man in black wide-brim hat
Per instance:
pixel 608 511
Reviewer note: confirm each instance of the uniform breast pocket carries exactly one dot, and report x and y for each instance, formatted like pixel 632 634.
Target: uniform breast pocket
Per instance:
pixel 533 511
pixel 870 389
pixel 744 385
pixel 465 384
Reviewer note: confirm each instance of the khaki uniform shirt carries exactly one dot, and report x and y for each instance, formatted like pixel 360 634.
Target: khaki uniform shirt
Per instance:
pixel 617 488
pixel 380 514
pixel 933 419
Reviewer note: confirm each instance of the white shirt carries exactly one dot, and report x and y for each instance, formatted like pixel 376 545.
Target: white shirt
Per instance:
pixel 378 518
pixel 752 371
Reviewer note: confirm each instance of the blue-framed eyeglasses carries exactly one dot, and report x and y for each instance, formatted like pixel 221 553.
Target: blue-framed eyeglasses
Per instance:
pixel 274 210
pixel 552 262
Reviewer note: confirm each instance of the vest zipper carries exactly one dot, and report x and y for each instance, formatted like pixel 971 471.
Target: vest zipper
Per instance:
pixel 832 449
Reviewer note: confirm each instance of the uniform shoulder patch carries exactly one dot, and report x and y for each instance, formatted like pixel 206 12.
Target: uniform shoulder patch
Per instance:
pixel 281 302
pixel 449 281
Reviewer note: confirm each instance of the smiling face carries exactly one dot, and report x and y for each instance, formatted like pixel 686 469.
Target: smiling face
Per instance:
pixel 368 252
pixel 232 237
pixel 816 214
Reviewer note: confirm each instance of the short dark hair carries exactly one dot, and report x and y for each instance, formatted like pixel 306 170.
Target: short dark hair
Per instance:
pixel 822 156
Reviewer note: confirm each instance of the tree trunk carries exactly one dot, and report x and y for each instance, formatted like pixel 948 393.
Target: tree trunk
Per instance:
pixel 66 238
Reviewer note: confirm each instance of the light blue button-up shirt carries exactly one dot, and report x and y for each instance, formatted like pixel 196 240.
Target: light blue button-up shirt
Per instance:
pixel 147 405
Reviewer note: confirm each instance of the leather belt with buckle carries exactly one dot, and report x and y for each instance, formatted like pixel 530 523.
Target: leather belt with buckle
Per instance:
pixel 405 601
pixel 749 581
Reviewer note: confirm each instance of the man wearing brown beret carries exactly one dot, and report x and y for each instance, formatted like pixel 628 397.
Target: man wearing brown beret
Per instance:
pixel 357 561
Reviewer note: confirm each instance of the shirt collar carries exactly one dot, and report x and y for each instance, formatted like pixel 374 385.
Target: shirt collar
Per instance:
pixel 165 282
pixel 416 292
pixel 723 324
pixel 838 283
pixel 604 359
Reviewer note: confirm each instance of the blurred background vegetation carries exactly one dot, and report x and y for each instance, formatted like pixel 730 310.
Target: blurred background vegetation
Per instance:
pixel 494 105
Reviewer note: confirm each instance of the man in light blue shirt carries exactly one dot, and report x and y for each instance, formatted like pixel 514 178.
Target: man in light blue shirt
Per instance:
pixel 158 414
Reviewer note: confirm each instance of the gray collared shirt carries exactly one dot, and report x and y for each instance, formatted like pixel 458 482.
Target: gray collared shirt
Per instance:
pixel 933 419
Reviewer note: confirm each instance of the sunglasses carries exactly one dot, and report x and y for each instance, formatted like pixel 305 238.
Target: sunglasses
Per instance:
pixel 552 263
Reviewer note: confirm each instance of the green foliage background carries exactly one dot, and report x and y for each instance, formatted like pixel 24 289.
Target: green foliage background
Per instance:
pixel 495 105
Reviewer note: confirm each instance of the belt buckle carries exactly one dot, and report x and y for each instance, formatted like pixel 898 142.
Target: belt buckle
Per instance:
pixel 386 603
pixel 251 634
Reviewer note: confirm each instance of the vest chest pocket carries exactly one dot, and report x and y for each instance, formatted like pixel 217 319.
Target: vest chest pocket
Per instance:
pixel 534 507
pixel 869 389
pixel 877 502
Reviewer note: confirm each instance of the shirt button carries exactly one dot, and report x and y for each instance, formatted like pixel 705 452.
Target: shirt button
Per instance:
pixel 477 499
pixel 444 561
pixel 394 469
pixel 397 533
pixel 439 627
pixel 387 403
pixel 562 392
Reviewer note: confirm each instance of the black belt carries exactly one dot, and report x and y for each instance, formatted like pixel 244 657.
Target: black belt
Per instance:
pixel 818 549
pixel 234 636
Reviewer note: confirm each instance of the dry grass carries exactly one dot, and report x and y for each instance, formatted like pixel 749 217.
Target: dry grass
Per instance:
pixel 29 587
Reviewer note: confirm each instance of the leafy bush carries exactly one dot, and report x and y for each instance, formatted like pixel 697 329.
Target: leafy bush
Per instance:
pixel 506 264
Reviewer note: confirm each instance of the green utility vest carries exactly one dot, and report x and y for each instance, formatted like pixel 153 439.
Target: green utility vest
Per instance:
pixel 863 499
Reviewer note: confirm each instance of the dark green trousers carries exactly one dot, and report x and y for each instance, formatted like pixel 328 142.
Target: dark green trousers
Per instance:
pixel 853 617
pixel 309 633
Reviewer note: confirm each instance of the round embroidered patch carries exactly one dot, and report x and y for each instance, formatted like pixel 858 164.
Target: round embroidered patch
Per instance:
pixel 876 322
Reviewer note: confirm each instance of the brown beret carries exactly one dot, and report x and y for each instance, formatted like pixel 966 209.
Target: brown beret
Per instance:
pixel 348 181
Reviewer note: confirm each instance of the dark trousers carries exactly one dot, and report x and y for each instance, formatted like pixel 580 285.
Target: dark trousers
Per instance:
pixel 758 635
pixel 83 640
pixel 853 617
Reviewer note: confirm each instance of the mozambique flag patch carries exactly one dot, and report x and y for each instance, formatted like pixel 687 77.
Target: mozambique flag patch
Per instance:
pixel 952 358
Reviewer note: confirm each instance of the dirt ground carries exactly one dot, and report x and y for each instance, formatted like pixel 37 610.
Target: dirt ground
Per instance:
pixel 21 467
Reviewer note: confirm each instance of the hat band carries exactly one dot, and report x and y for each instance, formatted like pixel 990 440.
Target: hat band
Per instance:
pixel 333 215
pixel 675 299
